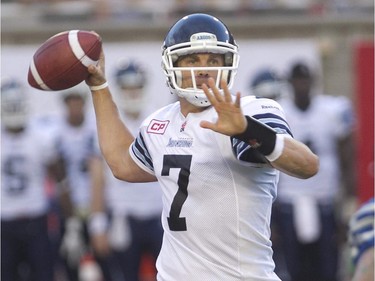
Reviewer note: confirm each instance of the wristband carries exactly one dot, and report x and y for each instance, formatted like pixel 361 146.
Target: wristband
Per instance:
pixel 259 136
pixel 99 87
pixel 98 223
pixel 278 150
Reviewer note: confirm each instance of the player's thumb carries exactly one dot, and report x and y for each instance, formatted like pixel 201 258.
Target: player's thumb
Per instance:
pixel 92 69
pixel 207 125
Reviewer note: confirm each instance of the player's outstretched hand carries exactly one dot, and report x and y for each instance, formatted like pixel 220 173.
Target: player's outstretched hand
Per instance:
pixel 231 120
pixel 97 72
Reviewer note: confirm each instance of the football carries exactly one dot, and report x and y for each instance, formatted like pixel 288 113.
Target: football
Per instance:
pixel 61 62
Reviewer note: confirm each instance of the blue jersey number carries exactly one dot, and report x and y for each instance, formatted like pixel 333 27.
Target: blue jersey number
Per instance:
pixel 15 178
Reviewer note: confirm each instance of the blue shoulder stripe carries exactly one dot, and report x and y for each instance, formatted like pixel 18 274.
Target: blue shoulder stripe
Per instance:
pixel 275 121
pixel 140 150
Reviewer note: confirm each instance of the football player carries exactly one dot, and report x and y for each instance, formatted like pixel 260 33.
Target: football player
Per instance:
pixel 28 157
pixel 307 210
pixel 361 241
pixel 77 145
pixel 216 156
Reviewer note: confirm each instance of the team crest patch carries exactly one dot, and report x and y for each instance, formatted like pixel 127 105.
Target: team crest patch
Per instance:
pixel 157 126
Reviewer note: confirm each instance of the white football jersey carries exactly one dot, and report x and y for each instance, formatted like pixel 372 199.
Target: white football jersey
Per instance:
pixel 217 194
pixel 140 200
pixel 24 160
pixel 327 119
pixel 77 145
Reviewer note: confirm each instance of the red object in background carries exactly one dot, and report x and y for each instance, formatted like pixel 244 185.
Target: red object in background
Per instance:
pixel 364 87
pixel 147 270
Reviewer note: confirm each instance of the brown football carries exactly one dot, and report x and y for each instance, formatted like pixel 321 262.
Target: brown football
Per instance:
pixel 61 62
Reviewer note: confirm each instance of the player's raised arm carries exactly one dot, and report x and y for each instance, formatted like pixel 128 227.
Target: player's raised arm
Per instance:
pixel 114 137
pixel 284 153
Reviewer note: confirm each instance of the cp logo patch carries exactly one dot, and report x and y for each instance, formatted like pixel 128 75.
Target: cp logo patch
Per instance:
pixel 157 127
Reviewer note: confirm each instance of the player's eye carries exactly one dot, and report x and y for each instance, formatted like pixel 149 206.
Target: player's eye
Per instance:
pixel 191 61
pixel 215 60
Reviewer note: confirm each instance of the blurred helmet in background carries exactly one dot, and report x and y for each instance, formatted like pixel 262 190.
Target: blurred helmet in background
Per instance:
pixel 131 80
pixel 14 104
pixel 267 84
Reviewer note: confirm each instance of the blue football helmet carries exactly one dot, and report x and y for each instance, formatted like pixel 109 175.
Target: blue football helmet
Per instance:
pixel 198 33
pixel 267 84
pixel 131 80
pixel 14 104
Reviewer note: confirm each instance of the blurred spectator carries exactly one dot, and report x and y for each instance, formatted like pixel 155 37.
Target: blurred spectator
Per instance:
pixel 135 231
pixel 80 151
pixel 306 210
pixel 361 241
pixel 28 157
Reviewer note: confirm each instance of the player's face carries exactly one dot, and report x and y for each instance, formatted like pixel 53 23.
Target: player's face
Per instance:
pixel 199 60
pixel 132 93
pixel 75 107
pixel 301 87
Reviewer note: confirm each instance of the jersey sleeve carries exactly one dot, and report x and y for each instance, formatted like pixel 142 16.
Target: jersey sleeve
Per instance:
pixel 139 153
pixel 345 117
pixel 270 113
pixel 361 230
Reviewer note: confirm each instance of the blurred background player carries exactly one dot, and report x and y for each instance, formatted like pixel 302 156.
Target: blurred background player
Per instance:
pixel 135 231
pixel 267 83
pixel 361 241
pixel 28 157
pixel 306 212
pixel 81 155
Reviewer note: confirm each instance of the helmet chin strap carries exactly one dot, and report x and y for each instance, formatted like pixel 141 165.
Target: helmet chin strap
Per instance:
pixel 193 94
pixel 199 99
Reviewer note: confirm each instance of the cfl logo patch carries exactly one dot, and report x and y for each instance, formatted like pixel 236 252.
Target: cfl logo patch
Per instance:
pixel 157 126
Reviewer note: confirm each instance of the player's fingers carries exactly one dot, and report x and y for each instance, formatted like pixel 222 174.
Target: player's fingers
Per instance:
pixel 218 96
pixel 101 62
pixel 227 95
pixel 208 94
pixel 238 100
pixel 92 69
pixel 207 125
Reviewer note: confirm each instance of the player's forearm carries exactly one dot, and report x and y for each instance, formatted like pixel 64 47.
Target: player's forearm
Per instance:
pixel 297 160
pixel 114 137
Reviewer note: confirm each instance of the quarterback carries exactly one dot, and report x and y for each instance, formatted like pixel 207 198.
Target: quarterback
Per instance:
pixel 217 157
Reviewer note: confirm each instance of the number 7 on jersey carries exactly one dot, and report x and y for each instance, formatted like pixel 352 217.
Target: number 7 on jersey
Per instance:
pixel 183 162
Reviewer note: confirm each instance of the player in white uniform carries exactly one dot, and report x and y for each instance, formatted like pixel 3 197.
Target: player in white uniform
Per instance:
pixel 361 241
pixel 77 144
pixel 28 156
pixel 217 189
pixel 134 229
pixel 307 211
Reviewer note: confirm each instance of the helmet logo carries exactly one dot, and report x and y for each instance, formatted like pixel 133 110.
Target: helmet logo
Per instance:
pixel 203 36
